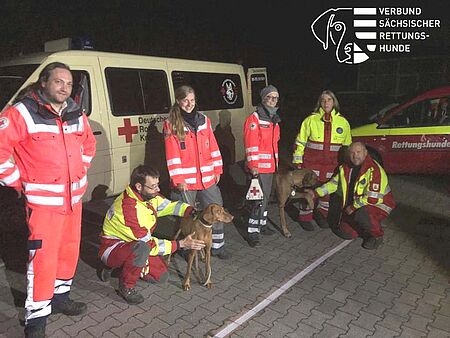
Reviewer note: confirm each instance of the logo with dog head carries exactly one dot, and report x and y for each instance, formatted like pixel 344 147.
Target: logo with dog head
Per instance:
pixel 345 29
pixel 229 91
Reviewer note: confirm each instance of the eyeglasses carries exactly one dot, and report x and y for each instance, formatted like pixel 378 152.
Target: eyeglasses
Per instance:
pixel 272 98
pixel 153 187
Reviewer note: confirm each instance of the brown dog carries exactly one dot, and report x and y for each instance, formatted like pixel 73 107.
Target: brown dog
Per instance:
pixel 201 229
pixel 287 183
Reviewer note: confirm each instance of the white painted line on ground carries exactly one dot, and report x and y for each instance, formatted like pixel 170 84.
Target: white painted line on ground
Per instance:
pixel 277 293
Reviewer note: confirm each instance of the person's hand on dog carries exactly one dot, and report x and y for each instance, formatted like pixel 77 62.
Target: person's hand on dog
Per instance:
pixel 217 178
pixel 189 243
pixel 254 172
pixel 299 165
pixel 182 187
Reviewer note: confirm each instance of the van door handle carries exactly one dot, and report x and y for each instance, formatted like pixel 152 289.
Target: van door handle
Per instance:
pixel 97 132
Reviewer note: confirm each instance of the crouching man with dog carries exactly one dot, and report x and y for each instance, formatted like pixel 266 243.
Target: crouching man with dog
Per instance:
pixel 126 240
pixel 362 199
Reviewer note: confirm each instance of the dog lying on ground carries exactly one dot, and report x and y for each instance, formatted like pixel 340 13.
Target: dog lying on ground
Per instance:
pixel 201 228
pixel 287 182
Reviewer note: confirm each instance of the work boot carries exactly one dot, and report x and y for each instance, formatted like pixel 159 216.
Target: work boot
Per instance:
pixel 321 220
pixel 162 279
pixel 130 295
pixel 104 273
pixel 253 242
pixel 69 308
pixel 36 329
pixel 338 232
pixel 308 225
pixel 266 231
pixel 220 253
pixel 372 243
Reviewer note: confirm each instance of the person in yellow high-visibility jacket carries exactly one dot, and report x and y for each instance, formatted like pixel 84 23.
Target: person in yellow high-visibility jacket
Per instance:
pixel 126 240
pixel 317 145
pixel 363 198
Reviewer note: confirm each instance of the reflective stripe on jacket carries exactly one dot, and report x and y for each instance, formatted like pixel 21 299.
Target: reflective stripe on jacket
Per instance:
pixel 318 142
pixel 196 160
pixel 50 153
pixel 371 186
pixel 261 136
pixel 130 218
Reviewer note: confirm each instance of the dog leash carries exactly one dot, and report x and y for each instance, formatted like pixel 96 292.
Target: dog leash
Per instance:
pixel 187 198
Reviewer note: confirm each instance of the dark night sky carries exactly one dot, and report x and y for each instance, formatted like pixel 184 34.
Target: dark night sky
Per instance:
pixel 275 34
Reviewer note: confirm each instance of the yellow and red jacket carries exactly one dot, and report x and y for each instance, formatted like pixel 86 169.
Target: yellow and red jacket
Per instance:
pixel 50 152
pixel 318 143
pixel 196 160
pixel 371 186
pixel 130 218
pixel 261 136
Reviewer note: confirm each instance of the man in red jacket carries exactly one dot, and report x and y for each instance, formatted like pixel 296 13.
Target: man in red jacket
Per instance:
pixel 362 198
pixel 50 140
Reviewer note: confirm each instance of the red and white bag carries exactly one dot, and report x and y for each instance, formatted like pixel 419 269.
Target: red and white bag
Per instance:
pixel 254 192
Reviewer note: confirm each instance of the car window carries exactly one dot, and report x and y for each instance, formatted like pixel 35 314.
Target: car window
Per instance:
pixel 430 112
pixel 438 112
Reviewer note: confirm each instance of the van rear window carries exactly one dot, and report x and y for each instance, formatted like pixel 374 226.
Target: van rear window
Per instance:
pixel 213 91
pixel 137 91
pixel 11 79
pixel 258 83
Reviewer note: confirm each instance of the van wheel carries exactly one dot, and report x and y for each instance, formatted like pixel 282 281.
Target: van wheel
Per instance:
pixel 375 155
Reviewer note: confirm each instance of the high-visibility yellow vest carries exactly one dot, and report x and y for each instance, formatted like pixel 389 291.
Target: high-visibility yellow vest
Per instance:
pixel 131 219
pixel 318 142
pixel 371 186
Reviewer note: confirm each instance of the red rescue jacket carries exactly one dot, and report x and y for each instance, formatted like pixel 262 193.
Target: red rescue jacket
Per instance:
pixel 261 136
pixel 196 160
pixel 50 153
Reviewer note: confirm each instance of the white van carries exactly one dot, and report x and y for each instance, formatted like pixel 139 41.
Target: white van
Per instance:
pixel 127 97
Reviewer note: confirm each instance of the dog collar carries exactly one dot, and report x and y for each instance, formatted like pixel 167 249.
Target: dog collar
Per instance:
pixel 204 223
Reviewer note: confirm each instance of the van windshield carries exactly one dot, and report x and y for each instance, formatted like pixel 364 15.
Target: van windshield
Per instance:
pixel 11 78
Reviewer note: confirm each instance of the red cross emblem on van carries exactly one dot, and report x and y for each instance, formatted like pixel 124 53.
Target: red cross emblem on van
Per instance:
pixel 128 130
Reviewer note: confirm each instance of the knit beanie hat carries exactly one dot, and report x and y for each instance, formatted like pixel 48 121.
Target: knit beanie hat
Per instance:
pixel 267 90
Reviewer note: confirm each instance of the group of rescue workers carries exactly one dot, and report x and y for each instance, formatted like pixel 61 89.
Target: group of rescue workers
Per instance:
pixel 45 119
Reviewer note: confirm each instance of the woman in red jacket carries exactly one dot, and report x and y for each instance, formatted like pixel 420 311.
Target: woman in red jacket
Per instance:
pixel 193 159
pixel 261 136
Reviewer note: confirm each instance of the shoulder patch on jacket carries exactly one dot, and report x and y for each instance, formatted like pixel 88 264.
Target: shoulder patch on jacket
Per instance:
pixel 252 125
pixel 375 187
pixel 4 122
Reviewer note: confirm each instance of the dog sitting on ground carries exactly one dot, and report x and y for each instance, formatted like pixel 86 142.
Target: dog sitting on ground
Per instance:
pixel 201 228
pixel 288 184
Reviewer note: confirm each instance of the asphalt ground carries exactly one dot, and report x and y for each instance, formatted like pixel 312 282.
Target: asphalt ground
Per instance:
pixel 311 285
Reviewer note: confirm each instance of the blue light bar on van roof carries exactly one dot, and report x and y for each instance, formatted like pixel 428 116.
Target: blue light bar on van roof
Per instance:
pixel 83 43
pixel 80 43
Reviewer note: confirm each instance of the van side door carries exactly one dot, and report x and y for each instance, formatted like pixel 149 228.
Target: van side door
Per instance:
pixel 138 101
